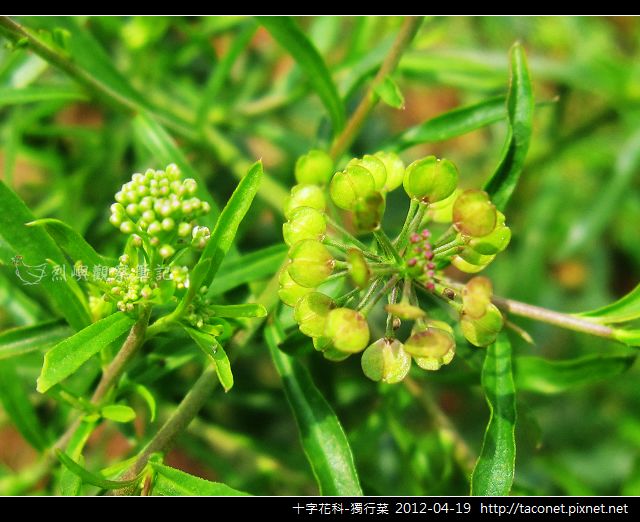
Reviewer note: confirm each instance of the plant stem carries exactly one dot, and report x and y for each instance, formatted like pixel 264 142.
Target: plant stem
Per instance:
pixel 343 141
pixel 402 237
pixel 338 228
pixel 387 246
pixel 373 298
pixel 393 298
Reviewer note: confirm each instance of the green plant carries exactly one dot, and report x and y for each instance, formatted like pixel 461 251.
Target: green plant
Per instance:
pixel 118 326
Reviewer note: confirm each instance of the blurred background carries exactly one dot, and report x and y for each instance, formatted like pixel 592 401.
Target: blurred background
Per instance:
pixel 575 219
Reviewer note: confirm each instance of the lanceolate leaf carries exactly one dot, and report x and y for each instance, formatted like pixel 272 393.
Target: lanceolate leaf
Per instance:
pixel 540 375
pixel 232 215
pixel 39 93
pixel 626 308
pixel 25 339
pixel 66 357
pixel 214 350
pixel 520 111
pixel 493 474
pixel 173 482
pixel 36 248
pixel 285 31
pixel 323 439
pixel 72 243
pixel 70 483
pixel 241 310
pixel 92 478
pixel 390 93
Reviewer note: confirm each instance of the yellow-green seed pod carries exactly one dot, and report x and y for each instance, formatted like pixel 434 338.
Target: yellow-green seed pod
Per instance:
pixel 476 296
pixel 305 223
pixel 311 263
pixel 375 166
pixel 304 196
pixel 465 266
pixel 322 343
pixel 290 291
pixel 331 354
pixel 386 360
pixel 359 272
pixel 347 329
pixel 311 313
pixel 442 211
pixel 431 343
pixel 473 257
pixel 432 365
pixel 405 311
pixel 351 185
pixel 430 179
pixel 369 212
pixel 494 242
pixel 314 168
pixel 395 169
pixel 484 330
pixel 473 213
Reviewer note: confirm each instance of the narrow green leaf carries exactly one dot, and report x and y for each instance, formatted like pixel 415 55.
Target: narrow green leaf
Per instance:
pixel 118 413
pixel 72 243
pixel 15 401
pixel 540 375
pixel 453 123
pixel 627 308
pixel 66 357
pixel 230 218
pixel 173 482
pixel 285 31
pixel 390 93
pixel 493 474
pixel 323 439
pixel 236 271
pixel 39 93
pixel 69 483
pixel 148 398
pixel 240 310
pixel 214 350
pixel 628 337
pixel 36 247
pixel 26 339
pixel 520 111
pixel 92 478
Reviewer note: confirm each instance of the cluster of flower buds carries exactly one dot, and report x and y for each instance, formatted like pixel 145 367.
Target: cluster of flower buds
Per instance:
pixel 471 231
pixel 128 285
pixel 161 207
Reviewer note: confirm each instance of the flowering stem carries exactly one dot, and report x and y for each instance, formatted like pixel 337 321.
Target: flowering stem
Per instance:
pixel 404 232
pixel 387 246
pixel 376 297
pixel 338 228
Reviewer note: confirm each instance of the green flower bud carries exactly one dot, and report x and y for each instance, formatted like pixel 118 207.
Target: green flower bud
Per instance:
pixel 351 185
pixel 311 313
pixel 120 197
pixel 314 168
pixel 304 196
pixel 136 240
pixel 149 216
pixel 311 263
pixel 290 292
pixel 115 220
pixel 430 179
pixel 465 266
pixel 146 203
pixel 166 251
pixel 358 268
pixel 190 186
pixel 386 360
pixel 168 224
pixel 200 237
pixel 405 311
pixel 375 166
pixel 305 223
pixel 184 229
pixel 347 329
pixel 369 211
pixel 394 167
pixel 173 171
pixel 154 228
pixel 132 209
pixel 473 213
pixel 484 330
pixel 127 227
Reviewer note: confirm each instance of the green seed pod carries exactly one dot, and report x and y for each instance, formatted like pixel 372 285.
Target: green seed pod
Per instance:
pixel 350 185
pixel 476 296
pixel 395 169
pixel 494 242
pixel 473 213
pixel 331 354
pixel 431 343
pixel 369 212
pixel 322 343
pixel 311 313
pixel 442 211
pixel 375 166
pixel 430 179
pixel 359 272
pixel 304 196
pixel 432 365
pixel 305 223
pixel 386 361
pixel 465 266
pixel 484 330
pixel 405 311
pixel 440 325
pixel 314 168
pixel 473 257
pixel 290 291
pixel 347 329
pixel 311 263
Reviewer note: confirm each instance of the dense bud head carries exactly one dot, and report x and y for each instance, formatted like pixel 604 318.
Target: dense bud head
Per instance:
pixel 304 196
pixel 394 167
pixel 305 223
pixel 369 211
pixel 482 331
pixel 311 313
pixel 359 272
pixel 310 263
pixel 430 179
pixel 314 168
pixel 290 291
pixel 347 329
pixel 473 213
pixel 375 166
pixel 351 185
pixel 386 360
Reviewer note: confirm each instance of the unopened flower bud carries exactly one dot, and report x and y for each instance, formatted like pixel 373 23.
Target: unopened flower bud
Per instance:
pixel 166 251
